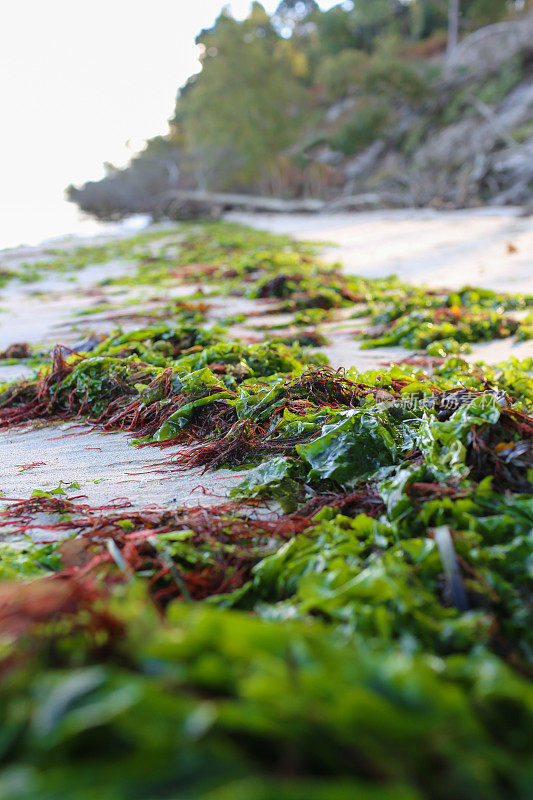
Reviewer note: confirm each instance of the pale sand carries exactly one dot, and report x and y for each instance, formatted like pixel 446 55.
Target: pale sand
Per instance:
pixel 435 248
pixel 438 248
pixel 106 468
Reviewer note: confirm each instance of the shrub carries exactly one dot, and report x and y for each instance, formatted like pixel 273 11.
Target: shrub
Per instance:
pixel 396 78
pixel 339 75
pixel 361 128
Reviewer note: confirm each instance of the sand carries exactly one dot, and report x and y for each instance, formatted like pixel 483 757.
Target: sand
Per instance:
pixel 106 467
pixel 438 248
pixel 430 247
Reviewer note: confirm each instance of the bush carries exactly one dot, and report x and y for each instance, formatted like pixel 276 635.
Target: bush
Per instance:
pixel 339 75
pixel 499 86
pixel 362 128
pixel 395 78
pixel 384 73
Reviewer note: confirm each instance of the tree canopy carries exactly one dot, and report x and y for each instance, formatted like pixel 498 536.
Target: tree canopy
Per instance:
pixel 264 80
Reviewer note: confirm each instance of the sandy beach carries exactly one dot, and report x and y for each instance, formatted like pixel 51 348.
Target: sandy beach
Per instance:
pixel 437 248
pixel 490 248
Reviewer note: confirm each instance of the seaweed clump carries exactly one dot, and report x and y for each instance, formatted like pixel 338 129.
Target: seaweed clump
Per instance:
pixel 354 621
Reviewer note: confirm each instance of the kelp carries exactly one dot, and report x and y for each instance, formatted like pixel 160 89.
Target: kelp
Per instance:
pixel 443 322
pixel 157 344
pixel 385 579
pixel 193 553
pixel 294 277
pixel 360 597
pixel 512 377
pixel 335 444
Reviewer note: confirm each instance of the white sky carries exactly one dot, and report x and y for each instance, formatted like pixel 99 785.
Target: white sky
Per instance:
pixel 78 79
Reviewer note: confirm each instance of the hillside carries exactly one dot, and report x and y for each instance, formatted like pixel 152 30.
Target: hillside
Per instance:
pixel 357 107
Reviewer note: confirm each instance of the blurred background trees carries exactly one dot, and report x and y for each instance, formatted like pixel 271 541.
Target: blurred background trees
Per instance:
pixel 245 106
pixel 282 100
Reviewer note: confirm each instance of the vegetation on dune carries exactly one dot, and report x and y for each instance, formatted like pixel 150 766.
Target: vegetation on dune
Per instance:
pixel 369 637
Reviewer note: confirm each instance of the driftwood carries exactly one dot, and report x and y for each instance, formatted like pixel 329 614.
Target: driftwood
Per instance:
pixel 193 203
pixel 182 203
pixel 369 200
pixel 176 202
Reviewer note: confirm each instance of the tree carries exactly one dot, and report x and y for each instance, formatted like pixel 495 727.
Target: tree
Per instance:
pixel 242 109
pixel 475 14
pixel 291 13
pixel 453 25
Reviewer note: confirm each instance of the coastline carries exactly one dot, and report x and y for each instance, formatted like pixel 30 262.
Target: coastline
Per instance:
pixel 435 248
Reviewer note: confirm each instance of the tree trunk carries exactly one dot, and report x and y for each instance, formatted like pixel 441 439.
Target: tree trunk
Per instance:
pixel 453 25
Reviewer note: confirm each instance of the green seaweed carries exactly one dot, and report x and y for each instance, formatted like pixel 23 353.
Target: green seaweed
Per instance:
pixel 373 640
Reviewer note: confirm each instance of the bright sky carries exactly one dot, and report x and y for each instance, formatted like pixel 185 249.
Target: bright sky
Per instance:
pixel 77 80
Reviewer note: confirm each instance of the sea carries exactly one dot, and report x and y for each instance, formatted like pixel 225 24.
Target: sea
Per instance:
pixel 55 220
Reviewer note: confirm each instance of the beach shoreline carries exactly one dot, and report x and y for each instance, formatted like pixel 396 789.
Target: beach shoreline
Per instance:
pixel 486 247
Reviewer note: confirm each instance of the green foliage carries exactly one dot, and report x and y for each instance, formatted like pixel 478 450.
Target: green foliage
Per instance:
pixel 365 125
pixel 240 112
pixel 388 76
pixel 340 75
pixel 483 12
pixel 494 91
pixel 361 26
pixel 383 75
